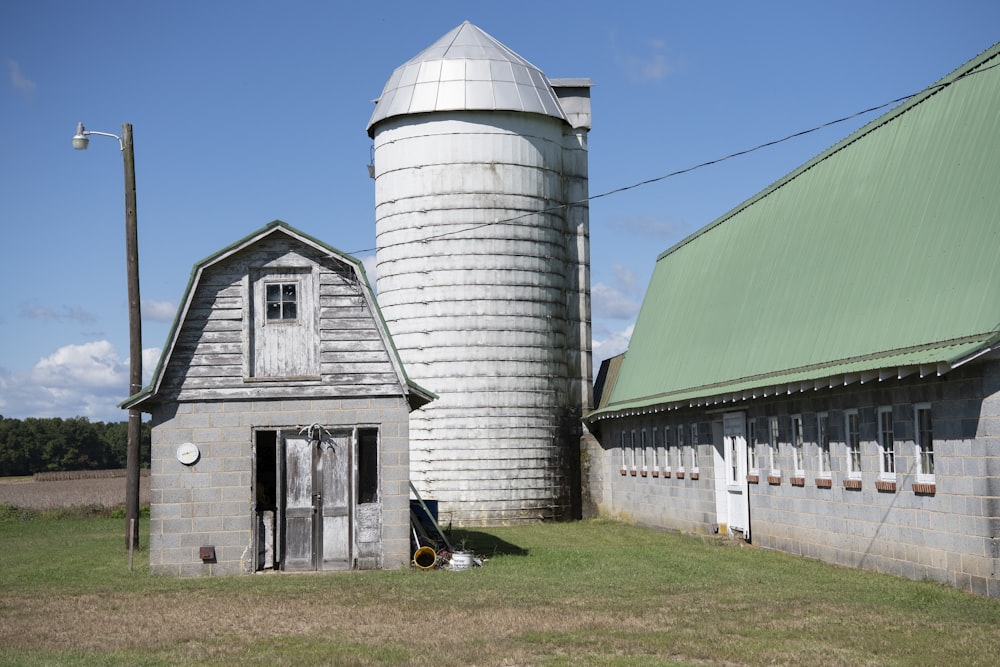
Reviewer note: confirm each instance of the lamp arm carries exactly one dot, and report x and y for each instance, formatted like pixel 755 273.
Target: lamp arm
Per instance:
pixel 121 144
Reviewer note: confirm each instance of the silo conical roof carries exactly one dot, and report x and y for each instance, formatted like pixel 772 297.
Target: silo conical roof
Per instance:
pixel 466 69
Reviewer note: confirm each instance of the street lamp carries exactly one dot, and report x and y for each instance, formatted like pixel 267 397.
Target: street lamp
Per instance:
pixel 80 142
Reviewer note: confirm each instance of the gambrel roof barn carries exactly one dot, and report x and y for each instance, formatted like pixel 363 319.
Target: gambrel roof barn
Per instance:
pixel 280 416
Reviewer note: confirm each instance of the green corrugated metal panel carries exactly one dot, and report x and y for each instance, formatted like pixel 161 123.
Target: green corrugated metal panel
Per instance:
pixel 924 361
pixel 887 241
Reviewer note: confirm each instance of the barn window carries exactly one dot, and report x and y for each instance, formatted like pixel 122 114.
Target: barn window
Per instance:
pixel 772 450
pixel 797 458
pixel 680 449
pixel 925 443
pixel 667 458
pixel 755 449
pixel 642 440
pixel 823 443
pixel 694 448
pixel 656 450
pixel 853 437
pixel 632 449
pixel 624 450
pixel 886 447
pixel 281 301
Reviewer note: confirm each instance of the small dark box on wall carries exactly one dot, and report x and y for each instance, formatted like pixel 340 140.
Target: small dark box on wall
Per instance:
pixel 206 554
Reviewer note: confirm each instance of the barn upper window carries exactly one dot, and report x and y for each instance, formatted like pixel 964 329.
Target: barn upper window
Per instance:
pixel 282 302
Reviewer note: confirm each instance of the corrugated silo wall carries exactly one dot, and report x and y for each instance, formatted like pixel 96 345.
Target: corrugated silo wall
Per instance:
pixel 481 293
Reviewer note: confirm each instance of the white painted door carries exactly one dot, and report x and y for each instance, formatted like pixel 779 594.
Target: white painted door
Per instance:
pixel 737 494
pixel 317 525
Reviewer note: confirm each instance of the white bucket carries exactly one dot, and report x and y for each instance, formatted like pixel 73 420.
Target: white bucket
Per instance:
pixel 461 560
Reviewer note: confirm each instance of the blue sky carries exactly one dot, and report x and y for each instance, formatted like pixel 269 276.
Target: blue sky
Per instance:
pixel 246 112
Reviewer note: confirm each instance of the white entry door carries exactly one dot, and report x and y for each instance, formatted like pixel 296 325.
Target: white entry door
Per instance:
pixel 734 429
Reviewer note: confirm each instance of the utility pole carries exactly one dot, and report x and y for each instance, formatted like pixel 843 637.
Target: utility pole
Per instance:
pixel 135 343
pixel 80 143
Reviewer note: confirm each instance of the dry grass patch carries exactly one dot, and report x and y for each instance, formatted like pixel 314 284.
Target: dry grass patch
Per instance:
pixel 584 594
pixel 32 494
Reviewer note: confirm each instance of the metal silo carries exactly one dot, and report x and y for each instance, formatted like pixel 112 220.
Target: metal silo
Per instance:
pixel 483 273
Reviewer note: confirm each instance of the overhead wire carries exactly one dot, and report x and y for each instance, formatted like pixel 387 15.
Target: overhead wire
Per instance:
pixel 687 170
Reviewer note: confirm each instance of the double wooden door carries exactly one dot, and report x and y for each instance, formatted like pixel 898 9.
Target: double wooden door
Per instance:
pixel 316 521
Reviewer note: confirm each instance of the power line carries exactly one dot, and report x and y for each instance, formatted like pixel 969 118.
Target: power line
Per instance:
pixel 702 165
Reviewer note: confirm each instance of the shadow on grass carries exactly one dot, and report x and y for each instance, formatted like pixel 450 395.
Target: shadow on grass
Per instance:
pixel 484 544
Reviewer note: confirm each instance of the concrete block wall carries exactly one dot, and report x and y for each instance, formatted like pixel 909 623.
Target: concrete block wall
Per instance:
pixel 654 499
pixel 210 503
pixel 951 535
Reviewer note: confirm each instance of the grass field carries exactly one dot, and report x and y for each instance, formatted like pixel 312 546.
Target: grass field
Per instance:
pixel 587 593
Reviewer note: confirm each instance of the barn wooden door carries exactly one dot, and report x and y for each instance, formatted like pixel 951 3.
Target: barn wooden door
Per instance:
pixel 333 466
pixel 317 525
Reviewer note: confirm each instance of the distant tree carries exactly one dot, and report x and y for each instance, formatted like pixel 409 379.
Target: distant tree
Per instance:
pixel 54 444
pixel 115 436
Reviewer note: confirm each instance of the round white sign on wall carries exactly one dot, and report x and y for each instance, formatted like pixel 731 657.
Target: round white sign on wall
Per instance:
pixel 188 453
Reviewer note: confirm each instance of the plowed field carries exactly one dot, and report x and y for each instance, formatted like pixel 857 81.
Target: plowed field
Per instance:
pixel 25 492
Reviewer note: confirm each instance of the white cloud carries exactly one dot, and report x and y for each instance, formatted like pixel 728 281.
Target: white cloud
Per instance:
pixel 620 299
pixel 89 365
pixel 650 65
pixel 86 380
pixel 26 87
pixel 625 277
pixel 614 343
pixel 611 303
pixel 150 357
pixel 76 313
pixel 158 311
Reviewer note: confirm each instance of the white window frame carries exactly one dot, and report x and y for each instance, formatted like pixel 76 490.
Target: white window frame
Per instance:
pixel 923 476
pixel 624 452
pixel 667 469
pixel 754 449
pixel 656 452
pixel 852 444
pixel 823 458
pixel 773 455
pixel 643 445
pixel 680 449
pixel 694 449
pixel 886 455
pixel 632 448
pixel 798 447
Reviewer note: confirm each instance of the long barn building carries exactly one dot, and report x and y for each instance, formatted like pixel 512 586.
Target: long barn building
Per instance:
pixel 818 371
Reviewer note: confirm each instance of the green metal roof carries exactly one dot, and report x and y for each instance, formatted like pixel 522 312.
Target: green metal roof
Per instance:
pixel 880 253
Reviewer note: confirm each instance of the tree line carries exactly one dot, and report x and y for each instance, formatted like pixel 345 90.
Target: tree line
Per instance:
pixel 35 445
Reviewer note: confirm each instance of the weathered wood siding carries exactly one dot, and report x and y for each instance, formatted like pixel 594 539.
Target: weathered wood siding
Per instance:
pixel 211 358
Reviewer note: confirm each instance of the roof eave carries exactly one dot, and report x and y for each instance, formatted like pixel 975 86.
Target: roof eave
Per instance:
pixel 738 392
